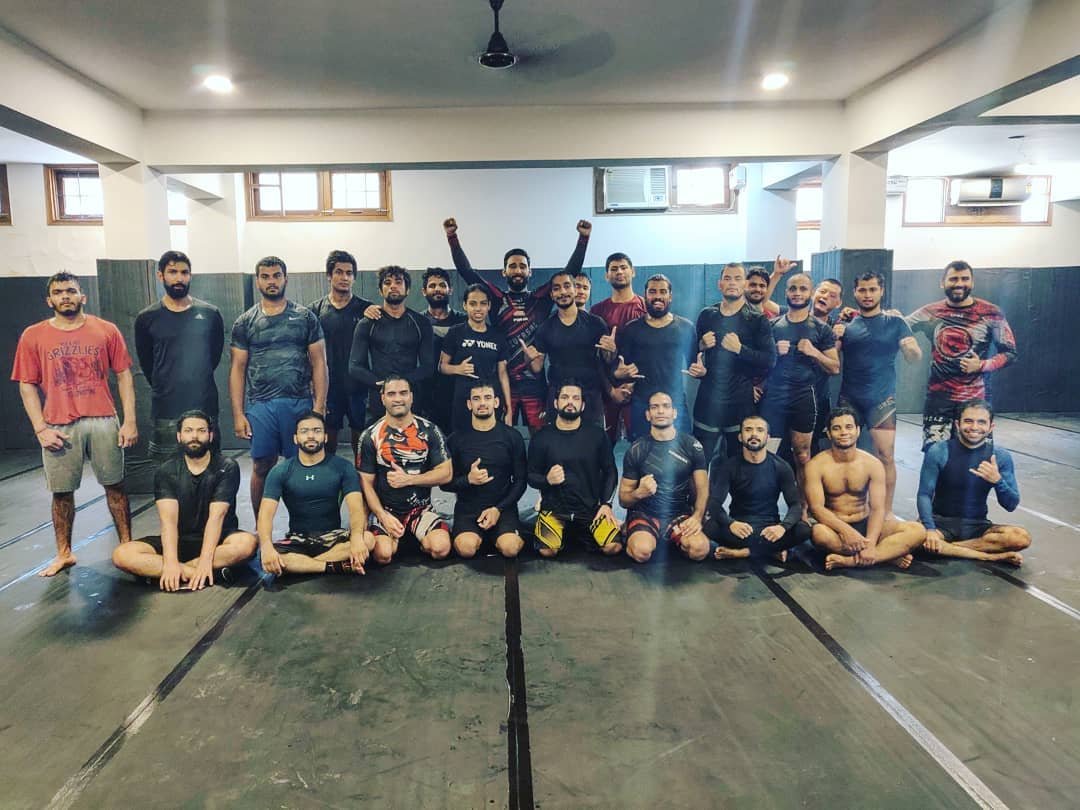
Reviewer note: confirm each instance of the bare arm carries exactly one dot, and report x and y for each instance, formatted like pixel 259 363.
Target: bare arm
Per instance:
pixel 237 372
pixel 439 474
pixel 169 513
pixel 367 484
pixel 31 400
pixel 358 516
pixel 320 376
pixel 701 494
pixel 629 494
pixel 129 431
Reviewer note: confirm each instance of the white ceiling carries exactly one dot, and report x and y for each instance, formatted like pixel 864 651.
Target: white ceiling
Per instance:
pixel 331 54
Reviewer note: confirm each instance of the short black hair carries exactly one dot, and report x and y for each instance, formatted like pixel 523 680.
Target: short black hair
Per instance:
pixel 271 261
pixel 958 264
pixel 732 266
pixel 516 252
pixel 194 413
pixel 655 277
pixel 436 272
pixel 974 403
pixel 835 281
pixel 483 382
pixel 843 410
pixel 339 257
pixel 660 391
pixel 754 417
pixel 394 377
pixel 63 275
pixel 617 257
pixel 871 275
pixel 759 272
pixel 310 414
pixel 564 272
pixel 573 383
pixel 394 271
pixel 480 288
pixel 171 256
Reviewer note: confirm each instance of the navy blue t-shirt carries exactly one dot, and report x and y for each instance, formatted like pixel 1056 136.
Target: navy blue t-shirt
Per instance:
pixel 869 346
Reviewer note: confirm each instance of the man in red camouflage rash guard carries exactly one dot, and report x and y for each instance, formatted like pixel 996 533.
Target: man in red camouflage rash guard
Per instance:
pixel 961 330
pixel 518 312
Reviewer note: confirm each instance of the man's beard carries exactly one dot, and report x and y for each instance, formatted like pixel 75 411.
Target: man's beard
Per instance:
pixel 517 283
pixel 567 305
pixel 732 296
pixel 273 296
pixel 70 312
pixel 569 414
pixel 803 305
pixel 749 444
pixel 437 300
pixel 657 309
pixel 394 298
pixel 305 446
pixel 177 291
pixel 620 285
pixel 196 449
pixel 754 297
pixel 483 417
pixel 957 294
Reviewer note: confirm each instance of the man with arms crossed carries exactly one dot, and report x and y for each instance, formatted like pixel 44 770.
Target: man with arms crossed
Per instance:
pixel 751 526
pixel 845 490
pixel 868 345
pixel 664 487
pixel 956 478
pixel 489 477
pixel 518 312
pixel 278 372
pixel 571 463
pixel 195 494
pixel 313 485
pixel 178 342
pixel 403 456
pixel 961 330
pixel 68 358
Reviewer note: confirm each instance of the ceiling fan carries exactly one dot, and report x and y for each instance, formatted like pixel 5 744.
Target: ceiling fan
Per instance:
pixel 497 56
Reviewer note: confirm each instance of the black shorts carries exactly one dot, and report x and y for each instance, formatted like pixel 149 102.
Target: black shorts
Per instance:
pixel 795 411
pixel 508 523
pixel 311 545
pixel 954 528
pixel 418 522
pixel 759 547
pixel 189 546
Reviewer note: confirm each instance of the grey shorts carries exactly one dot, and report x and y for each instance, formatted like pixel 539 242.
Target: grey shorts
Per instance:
pixel 93 438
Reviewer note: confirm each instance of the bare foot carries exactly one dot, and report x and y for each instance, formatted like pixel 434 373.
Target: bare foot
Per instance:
pixel 781 556
pixel 839 561
pixel 723 553
pixel 903 562
pixel 1010 557
pixel 58 565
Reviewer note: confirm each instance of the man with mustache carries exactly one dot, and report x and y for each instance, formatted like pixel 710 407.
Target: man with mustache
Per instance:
pixel 178 341
pixel 278 371
pixel 195 494
pixel 961 329
pixel 519 312
pixel 439 390
pixel 68 359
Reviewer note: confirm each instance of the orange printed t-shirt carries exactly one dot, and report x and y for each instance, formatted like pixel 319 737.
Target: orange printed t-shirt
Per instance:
pixel 72 367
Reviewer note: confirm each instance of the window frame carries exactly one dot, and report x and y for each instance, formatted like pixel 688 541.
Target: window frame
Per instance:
pixel 808 224
pixel 54 174
pixel 5 197
pixel 326 212
pixel 989 216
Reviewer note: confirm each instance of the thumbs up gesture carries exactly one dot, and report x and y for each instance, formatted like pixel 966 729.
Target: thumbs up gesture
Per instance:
pixel 607 342
pixel 477 474
pixel 397 478
pixel 697 368
pixel 530 352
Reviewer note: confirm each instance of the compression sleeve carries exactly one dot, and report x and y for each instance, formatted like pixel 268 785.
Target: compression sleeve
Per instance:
pixel 790 489
pixel 719 485
pixel 1006 490
pixel 425 368
pixel 359 365
pixel 217 340
pixel 762 355
pixel 609 473
pixel 517 488
pixel 1004 342
pixel 932 464
pixel 537 475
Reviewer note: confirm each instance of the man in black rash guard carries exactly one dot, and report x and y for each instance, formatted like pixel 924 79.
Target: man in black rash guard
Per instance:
pixel 664 487
pixel 518 312
pixel 489 478
pixel 195 493
pixel 570 340
pixel 313 486
pixel 473 351
pixel 178 341
pixel 400 342
pixel 439 392
pixel 751 526
pixel 571 463
pixel 738 346
pixel 653 351
pixel 339 312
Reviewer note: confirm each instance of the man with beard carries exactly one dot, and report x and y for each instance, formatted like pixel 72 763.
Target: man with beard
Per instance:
pixel 489 477
pixel 195 494
pixel 961 330
pixel 519 312
pixel 868 345
pixel 403 456
pixel 751 526
pixel 278 371
pixel 570 339
pixel 68 358
pixel 619 310
pixel 804 345
pixel 738 346
pixel 439 391
pixel 178 341
pixel 956 478
pixel 400 342
pixel 664 488
pixel 571 464
pixel 757 291
pixel 339 312
pixel 653 351
pixel 313 484
pixel 845 491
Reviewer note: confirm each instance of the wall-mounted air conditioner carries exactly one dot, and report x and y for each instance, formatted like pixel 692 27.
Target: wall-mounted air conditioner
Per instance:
pixel 636 187
pixel 981 192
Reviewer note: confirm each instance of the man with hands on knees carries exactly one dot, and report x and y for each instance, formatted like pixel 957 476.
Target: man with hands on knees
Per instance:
pixel 313 484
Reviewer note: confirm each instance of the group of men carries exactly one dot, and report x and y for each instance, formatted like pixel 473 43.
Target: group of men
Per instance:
pixel 406 380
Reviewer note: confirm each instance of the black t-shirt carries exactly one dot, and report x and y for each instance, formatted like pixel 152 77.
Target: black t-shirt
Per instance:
pixel 754 489
pixel 795 369
pixel 388 345
pixel 178 352
pixel 338 326
pixel 571 350
pixel 586 458
pixel 729 374
pixel 218 483
pixel 485 348
pixel 501 451
pixel 416 448
pixel 660 353
pixel 673 464
pixel 312 494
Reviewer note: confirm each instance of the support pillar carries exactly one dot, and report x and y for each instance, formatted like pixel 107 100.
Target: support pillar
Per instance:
pixel 853 202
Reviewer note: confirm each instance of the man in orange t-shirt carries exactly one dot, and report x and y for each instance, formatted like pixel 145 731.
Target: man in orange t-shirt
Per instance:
pixel 68 358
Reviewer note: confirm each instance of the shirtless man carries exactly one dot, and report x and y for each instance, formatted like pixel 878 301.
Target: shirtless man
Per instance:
pixel 845 491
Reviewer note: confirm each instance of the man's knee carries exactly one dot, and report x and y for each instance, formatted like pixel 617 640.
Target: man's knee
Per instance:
pixel 509 544
pixel 384 549
pixel 640 546
pixel 548 552
pixel 466 545
pixel 243 542
pixel 1016 538
pixel 696 548
pixel 822 535
pixel 437 544
pixel 123 556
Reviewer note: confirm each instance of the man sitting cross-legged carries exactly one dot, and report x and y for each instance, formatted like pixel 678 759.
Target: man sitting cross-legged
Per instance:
pixel 664 487
pixel 195 494
pixel 845 491
pixel 755 478
pixel 489 477
pixel 957 476
pixel 313 485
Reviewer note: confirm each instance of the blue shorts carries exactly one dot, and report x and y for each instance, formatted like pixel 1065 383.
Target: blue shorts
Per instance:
pixel 273 424
pixel 342 405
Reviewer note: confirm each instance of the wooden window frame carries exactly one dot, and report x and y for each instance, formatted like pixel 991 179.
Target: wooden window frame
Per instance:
pixel 327 212
pixel 990 216
pixel 5 197
pixel 727 207
pixel 54 213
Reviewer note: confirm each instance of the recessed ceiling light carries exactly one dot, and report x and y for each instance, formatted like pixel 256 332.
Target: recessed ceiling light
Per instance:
pixel 774 81
pixel 217 83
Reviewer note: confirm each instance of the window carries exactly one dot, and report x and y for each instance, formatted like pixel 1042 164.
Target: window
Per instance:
pixel 5 203
pixel 927 202
pixel 73 195
pixel 178 205
pixel 700 188
pixel 313 196
pixel 808 201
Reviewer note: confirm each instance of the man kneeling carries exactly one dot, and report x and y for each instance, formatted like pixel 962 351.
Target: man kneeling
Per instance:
pixel 313 485
pixel 845 491
pixel 195 494
pixel 664 487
